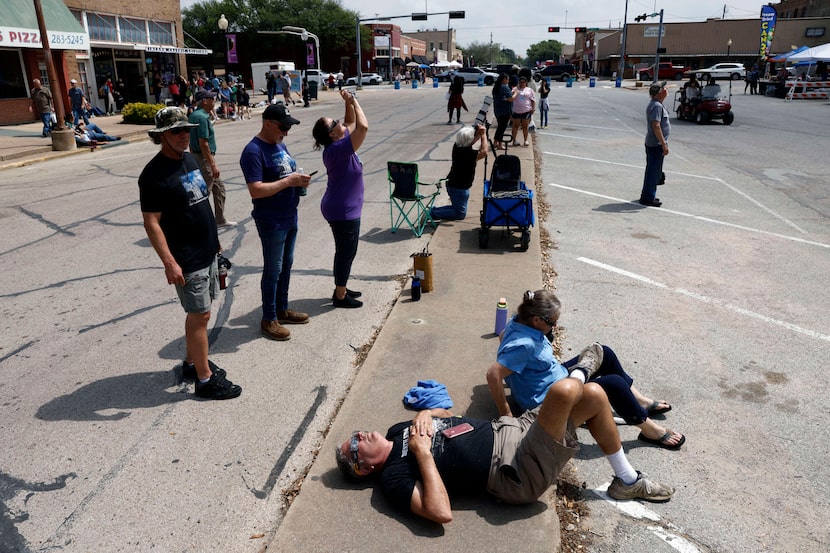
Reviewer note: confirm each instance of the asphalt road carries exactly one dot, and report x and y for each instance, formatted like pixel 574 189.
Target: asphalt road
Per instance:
pixel 715 302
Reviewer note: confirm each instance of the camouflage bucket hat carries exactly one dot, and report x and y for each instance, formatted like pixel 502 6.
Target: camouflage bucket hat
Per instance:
pixel 171 118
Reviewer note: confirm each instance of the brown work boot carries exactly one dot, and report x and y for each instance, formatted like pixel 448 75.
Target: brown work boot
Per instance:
pixel 273 330
pixel 290 317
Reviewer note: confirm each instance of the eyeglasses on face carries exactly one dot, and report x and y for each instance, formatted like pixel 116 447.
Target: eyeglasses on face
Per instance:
pixel 547 321
pixel 179 130
pixel 333 125
pixel 354 443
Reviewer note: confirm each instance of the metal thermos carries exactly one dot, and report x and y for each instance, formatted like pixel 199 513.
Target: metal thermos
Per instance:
pixel 501 316
pixel 416 288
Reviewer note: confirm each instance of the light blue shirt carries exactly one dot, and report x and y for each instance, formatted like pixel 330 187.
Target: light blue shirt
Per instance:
pixel 528 353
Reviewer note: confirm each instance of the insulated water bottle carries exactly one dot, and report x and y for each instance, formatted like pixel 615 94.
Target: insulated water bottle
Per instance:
pixel 416 288
pixel 501 316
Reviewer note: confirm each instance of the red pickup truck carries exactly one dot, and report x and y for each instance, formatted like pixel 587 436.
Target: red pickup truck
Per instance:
pixel 667 71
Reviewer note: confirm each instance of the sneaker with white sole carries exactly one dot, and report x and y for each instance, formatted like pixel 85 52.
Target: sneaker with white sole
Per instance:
pixel 642 488
pixel 218 387
pixel 590 360
pixel 189 370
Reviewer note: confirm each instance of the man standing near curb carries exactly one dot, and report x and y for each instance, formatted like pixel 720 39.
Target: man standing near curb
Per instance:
pixel 77 101
pixel 203 147
pixel 181 228
pixel 42 106
pixel 657 143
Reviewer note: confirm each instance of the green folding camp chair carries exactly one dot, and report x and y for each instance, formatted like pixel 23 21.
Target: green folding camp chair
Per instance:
pixel 406 199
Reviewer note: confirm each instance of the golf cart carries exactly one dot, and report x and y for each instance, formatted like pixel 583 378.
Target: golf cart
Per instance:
pixel 708 106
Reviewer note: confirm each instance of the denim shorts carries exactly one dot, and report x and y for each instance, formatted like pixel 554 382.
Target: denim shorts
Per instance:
pixel 199 289
pixel 526 459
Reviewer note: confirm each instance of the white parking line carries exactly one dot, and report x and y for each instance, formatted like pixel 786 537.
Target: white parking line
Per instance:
pixel 707 299
pixel 696 217
pixel 639 511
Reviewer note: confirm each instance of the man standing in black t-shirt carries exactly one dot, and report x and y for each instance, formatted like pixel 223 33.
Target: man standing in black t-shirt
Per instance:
pixel 182 230
pixel 514 459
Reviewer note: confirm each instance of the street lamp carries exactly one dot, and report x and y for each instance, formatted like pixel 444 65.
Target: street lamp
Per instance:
pixel 728 48
pixel 304 34
pixel 223 26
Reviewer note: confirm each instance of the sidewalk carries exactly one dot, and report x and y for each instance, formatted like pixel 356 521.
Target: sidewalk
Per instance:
pixel 23 144
pixel 448 336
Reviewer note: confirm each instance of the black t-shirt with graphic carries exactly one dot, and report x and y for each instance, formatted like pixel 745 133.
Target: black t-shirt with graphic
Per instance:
pixel 463 461
pixel 176 189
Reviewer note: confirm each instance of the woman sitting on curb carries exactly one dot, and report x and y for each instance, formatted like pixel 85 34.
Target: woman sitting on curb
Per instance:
pixel 526 362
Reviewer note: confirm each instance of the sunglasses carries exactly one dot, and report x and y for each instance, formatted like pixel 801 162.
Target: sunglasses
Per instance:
pixel 333 126
pixel 353 445
pixel 547 321
pixel 179 130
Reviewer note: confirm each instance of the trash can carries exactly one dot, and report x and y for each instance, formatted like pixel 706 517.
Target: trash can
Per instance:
pixel 435 82
pixel 570 82
pixel 414 83
pixel 592 82
pixel 312 90
pixel 397 85
pixel 618 84
pixel 481 80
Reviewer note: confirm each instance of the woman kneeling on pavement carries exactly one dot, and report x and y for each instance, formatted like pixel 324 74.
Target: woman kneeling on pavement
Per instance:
pixel 462 173
pixel 526 362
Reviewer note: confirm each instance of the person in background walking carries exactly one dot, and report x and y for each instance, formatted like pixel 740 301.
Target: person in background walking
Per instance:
pixel 78 102
pixel 544 107
pixel 342 203
pixel 657 143
pixel 456 100
pixel 42 105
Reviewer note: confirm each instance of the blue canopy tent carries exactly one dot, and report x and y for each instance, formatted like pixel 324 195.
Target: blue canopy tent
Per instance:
pixel 783 57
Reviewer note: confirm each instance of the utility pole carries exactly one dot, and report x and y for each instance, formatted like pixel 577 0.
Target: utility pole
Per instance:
pixel 659 43
pixel 621 73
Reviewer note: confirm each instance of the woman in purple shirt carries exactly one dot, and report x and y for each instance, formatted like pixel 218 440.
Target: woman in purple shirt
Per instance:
pixel 343 201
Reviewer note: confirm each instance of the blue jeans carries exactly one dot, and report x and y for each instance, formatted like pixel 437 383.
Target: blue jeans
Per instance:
pixel 617 385
pixel 543 117
pixel 457 209
pixel 80 113
pixel 278 257
pixel 654 168
pixel 47 122
pixel 346 235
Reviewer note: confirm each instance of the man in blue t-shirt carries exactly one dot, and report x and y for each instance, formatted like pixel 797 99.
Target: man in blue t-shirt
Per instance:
pixel 514 459
pixel 77 101
pixel 657 143
pixel 274 184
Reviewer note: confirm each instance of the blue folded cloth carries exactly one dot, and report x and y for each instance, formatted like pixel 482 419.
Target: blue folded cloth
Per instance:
pixel 427 394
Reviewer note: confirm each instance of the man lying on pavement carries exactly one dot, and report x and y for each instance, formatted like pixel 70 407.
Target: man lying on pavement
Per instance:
pixel 514 459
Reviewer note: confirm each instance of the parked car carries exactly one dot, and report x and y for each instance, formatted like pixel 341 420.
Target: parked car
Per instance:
pixel 445 76
pixel 367 78
pixel 667 71
pixel 559 71
pixel 730 70
pixel 471 75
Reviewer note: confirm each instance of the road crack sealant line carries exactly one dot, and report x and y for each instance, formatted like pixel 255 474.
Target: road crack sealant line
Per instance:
pixel 706 299
pixel 668 532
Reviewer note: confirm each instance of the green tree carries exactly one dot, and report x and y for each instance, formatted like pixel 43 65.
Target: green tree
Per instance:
pixel 483 54
pixel 333 25
pixel 546 50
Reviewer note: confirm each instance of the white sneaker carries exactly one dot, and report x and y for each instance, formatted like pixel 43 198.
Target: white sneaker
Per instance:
pixel 526 143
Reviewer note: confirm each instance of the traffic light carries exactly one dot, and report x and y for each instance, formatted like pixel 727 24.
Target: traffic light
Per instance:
pixel 419 17
pixel 579 29
pixel 553 29
pixel 457 15
pixel 641 17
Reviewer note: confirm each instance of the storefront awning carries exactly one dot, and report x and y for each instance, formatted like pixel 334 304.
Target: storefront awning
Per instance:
pixel 19 29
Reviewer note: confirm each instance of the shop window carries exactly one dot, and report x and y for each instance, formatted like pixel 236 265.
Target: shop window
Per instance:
pixel 814 32
pixel 13 83
pixel 161 33
pixel 102 27
pixel 133 30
